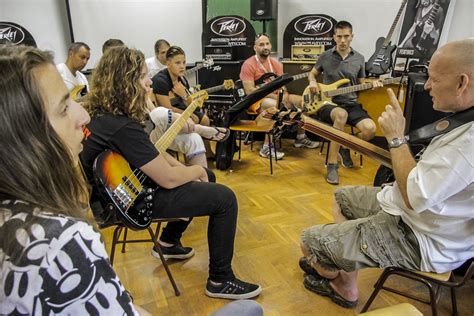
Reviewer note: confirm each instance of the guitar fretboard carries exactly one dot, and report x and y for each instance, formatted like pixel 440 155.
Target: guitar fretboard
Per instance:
pixel 359 87
pixel 395 22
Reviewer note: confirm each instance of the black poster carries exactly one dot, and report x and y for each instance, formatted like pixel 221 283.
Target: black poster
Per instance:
pixel 230 31
pixel 15 34
pixel 309 29
pixel 422 29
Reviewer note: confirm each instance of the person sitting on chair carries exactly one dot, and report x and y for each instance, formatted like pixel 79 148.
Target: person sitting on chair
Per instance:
pixel 52 261
pixel 340 62
pixel 252 70
pixel 119 111
pixel 425 221
pixel 158 62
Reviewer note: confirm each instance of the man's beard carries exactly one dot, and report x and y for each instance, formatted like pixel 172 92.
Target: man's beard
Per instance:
pixel 264 53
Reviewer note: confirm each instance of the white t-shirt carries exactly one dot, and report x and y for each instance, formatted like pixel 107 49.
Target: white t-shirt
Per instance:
pixel 154 66
pixel 71 80
pixel 441 193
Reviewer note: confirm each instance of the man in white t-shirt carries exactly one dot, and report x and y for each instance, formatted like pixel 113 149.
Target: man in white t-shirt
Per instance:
pixel 158 62
pixel 425 221
pixel 77 57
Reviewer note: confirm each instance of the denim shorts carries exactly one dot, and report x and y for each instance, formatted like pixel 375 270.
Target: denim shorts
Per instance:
pixel 370 237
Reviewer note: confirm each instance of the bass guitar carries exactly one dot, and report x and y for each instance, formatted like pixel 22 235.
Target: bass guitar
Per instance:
pixel 313 102
pixel 260 82
pixel 381 61
pixel 129 192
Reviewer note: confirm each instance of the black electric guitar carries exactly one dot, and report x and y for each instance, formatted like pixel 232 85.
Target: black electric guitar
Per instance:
pixel 239 92
pixel 381 61
pixel 424 43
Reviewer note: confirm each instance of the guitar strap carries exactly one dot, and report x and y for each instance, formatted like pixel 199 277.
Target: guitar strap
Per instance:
pixel 425 134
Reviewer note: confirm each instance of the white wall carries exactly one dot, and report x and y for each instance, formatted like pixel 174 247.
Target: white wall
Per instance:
pixel 370 19
pixel 141 22
pixel 46 20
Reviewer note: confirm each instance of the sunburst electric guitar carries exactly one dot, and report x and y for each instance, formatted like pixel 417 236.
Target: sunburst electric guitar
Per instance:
pixel 313 102
pixel 129 192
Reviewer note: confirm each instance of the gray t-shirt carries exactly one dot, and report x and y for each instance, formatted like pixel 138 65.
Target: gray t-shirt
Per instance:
pixel 334 68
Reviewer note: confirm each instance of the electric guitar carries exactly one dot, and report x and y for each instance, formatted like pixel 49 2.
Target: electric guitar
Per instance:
pixel 313 102
pixel 269 76
pixel 288 117
pixel 424 42
pixel 381 61
pixel 206 63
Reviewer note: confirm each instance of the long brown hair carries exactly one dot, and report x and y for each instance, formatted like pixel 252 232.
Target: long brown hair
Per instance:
pixel 35 165
pixel 116 85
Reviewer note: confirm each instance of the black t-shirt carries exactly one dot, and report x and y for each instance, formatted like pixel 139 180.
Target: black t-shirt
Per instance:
pixel 162 85
pixel 120 134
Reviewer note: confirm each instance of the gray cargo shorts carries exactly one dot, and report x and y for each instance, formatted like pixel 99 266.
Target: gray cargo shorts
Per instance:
pixel 370 237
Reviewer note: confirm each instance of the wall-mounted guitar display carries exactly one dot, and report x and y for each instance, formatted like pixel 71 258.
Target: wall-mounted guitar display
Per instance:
pixel 381 61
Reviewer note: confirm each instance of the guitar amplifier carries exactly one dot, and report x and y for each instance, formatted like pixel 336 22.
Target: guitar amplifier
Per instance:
pixel 219 52
pixel 306 52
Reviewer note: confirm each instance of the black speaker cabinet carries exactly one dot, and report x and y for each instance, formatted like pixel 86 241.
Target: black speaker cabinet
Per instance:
pixel 297 67
pixel 263 10
pixel 419 106
pixel 217 73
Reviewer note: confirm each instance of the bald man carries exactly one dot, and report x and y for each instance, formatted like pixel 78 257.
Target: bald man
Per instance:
pixel 424 221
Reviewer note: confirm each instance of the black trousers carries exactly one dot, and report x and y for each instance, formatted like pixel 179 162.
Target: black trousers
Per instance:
pixel 202 199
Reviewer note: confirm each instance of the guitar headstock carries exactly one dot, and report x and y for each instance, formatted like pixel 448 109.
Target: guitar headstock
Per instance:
pixel 199 97
pixel 228 84
pixel 208 62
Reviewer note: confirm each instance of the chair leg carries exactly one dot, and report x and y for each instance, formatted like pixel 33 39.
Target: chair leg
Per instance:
pixel 327 154
pixel 116 235
pixel 124 239
pixel 240 143
pixel 453 301
pixel 378 286
pixel 163 260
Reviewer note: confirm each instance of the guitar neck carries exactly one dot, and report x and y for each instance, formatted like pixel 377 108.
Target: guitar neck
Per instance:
pixel 301 76
pixel 394 24
pixel 165 141
pixel 193 70
pixel 348 140
pixel 359 87
pixel 214 89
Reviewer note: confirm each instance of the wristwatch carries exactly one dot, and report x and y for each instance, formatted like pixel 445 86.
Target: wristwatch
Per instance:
pixel 397 142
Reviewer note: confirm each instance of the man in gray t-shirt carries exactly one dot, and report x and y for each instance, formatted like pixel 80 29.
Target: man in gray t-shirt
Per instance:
pixel 342 62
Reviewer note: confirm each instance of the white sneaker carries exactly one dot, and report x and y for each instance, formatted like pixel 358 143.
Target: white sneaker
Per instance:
pixel 265 151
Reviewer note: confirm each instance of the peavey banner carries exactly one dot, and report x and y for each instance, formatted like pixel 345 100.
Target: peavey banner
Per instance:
pixel 230 31
pixel 309 29
pixel 15 34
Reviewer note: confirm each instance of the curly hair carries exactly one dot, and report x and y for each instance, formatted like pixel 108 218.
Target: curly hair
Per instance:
pixel 116 85
pixel 36 165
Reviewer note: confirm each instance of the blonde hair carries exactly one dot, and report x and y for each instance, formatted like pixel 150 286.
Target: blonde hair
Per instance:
pixel 116 85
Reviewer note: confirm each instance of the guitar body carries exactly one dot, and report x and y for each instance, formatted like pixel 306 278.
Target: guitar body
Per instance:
pixel 422 42
pixel 313 102
pixel 381 61
pixel 125 195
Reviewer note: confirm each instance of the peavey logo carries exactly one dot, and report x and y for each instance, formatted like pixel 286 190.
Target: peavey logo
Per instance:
pixel 11 33
pixel 228 26
pixel 313 25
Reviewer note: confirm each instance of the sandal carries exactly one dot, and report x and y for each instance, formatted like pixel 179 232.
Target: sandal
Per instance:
pixel 218 136
pixel 322 287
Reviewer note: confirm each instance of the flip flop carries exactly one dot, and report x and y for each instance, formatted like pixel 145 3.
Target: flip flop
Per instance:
pixel 322 287
pixel 308 269
pixel 219 131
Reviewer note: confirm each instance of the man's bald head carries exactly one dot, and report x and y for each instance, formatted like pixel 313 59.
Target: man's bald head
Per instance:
pixel 457 56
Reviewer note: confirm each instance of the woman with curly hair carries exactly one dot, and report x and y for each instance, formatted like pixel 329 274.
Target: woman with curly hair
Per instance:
pixel 118 107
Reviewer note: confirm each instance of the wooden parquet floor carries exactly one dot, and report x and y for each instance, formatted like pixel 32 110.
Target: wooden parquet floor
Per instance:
pixel 273 210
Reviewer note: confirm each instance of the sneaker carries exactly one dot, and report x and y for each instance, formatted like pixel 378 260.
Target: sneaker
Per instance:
pixel 233 290
pixel 305 142
pixel 332 176
pixel 265 151
pixel 174 252
pixel 345 156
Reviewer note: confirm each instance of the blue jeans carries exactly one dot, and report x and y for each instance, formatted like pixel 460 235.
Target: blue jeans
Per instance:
pixel 202 199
